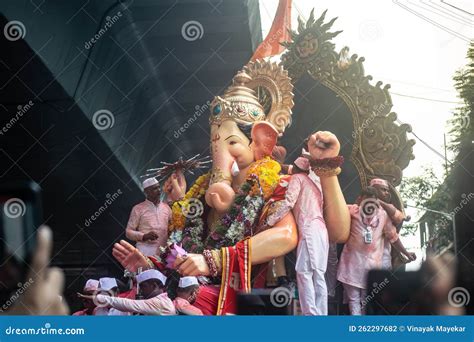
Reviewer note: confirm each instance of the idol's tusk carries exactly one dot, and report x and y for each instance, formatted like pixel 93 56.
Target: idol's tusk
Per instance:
pixel 235 169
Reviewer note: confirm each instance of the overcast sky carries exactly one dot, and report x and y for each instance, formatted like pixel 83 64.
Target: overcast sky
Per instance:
pixel 414 45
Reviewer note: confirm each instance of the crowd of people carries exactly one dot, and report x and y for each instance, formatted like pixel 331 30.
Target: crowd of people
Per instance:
pixel 374 231
pixel 147 296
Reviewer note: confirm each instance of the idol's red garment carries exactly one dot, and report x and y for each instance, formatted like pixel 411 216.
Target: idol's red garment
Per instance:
pixel 207 299
pixel 235 277
pixel 81 313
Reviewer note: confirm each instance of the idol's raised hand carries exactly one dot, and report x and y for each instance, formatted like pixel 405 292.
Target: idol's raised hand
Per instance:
pixel 129 257
pixel 175 186
pixel 323 144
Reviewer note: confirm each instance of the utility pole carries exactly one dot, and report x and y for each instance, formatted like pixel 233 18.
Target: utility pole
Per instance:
pixel 445 157
pixel 450 215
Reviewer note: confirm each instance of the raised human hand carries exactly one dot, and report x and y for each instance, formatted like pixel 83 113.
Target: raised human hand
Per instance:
pixel 43 295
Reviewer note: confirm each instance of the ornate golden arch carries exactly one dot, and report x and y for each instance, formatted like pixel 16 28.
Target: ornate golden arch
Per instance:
pixel 381 147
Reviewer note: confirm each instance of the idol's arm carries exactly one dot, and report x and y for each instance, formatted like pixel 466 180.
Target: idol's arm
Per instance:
pixel 336 213
pixel 265 246
pixel 279 240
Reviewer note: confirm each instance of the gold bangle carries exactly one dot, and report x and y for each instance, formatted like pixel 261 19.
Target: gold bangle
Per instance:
pixel 216 255
pixel 324 172
pixel 150 263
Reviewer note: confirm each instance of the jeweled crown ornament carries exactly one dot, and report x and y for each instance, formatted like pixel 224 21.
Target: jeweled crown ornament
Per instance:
pixel 261 91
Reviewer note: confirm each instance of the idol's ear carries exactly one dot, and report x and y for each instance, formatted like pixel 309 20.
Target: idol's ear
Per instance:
pixel 264 138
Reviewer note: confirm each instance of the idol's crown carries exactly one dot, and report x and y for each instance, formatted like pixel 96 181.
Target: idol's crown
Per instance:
pixel 261 91
pixel 239 103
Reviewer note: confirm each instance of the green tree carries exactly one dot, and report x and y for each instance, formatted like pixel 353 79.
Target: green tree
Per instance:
pixel 427 190
pixel 423 191
pixel 461 125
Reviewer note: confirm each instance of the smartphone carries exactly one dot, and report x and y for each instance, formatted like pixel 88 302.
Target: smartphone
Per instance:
pixel 20 217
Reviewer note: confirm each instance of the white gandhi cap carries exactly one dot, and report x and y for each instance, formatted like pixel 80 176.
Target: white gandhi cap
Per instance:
pixel 149 182
pixel 107 283
pixel 91 285
pixel 187 281
pixel 151 274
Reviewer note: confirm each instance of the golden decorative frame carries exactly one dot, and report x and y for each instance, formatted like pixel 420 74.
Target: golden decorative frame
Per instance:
pixel 381 146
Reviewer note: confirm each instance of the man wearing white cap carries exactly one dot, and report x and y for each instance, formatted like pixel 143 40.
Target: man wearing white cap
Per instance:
pixel 90 288
pixel 396 216
pixel 148 222
pixel 188 289
pixel 109 287
pixel 156 302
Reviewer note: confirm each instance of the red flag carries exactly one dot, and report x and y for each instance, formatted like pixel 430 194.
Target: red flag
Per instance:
pixel 278 32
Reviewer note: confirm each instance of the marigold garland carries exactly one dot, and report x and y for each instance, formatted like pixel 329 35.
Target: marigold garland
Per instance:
pixel 178 220
pixel 267 171
pixel 259 185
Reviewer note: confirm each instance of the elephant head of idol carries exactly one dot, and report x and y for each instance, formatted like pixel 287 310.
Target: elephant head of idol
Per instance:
pixel 246 122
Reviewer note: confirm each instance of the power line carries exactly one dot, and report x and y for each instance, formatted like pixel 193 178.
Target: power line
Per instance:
pixel 417 85
pixel 458 8
pixel 425 143
pixel 425 98
pixel 447 10
pixel 443 13
pixel 444 28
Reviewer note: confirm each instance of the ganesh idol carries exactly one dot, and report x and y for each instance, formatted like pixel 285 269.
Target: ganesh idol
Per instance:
pixel 221 221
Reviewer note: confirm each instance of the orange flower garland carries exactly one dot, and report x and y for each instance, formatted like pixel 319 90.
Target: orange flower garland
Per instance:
pixel 198 189
pixel 267 171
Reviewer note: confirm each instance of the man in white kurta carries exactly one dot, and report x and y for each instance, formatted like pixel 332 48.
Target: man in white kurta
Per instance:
pixel 156 302
pixel 148 222
pixel 305 197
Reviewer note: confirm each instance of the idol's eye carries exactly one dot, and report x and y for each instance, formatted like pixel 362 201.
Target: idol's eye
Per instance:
pixel 232 142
